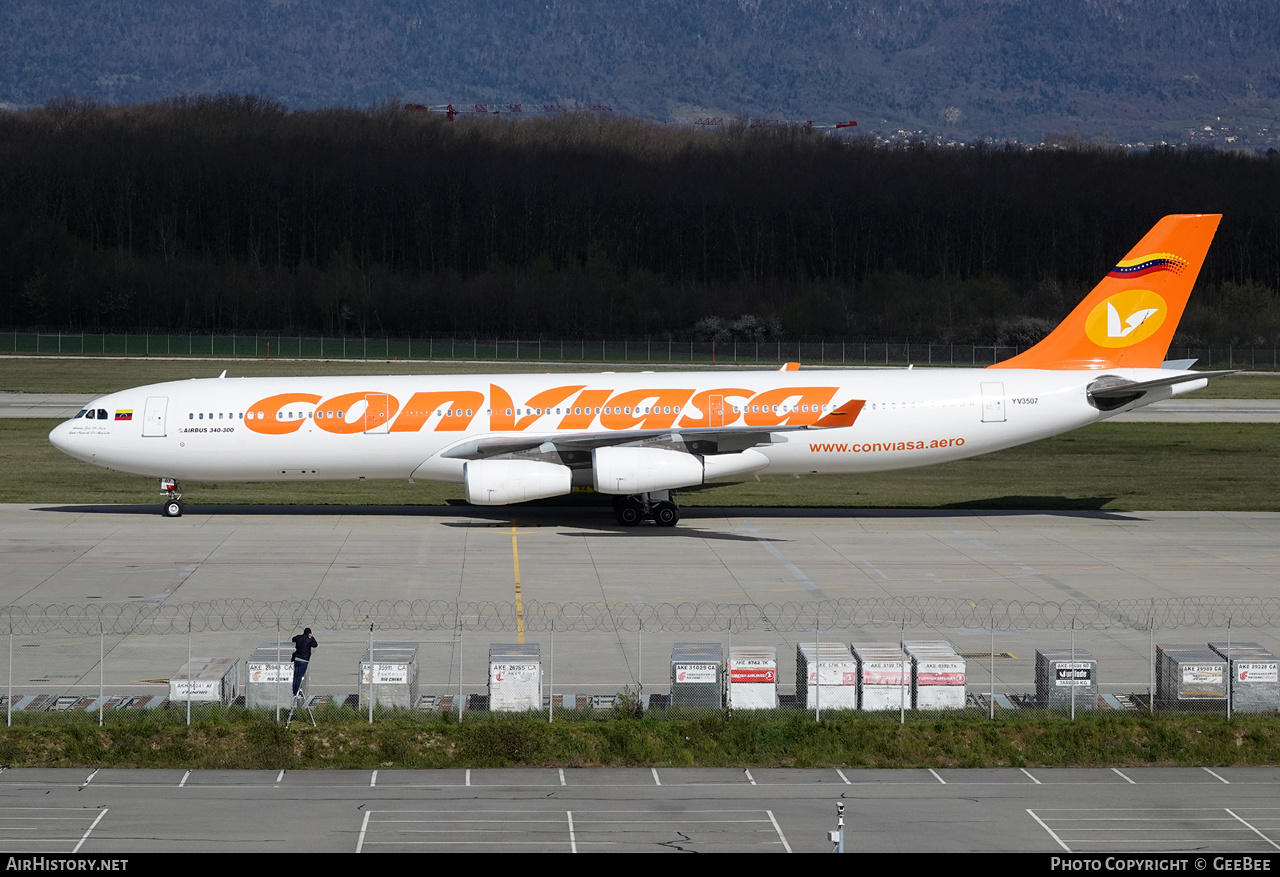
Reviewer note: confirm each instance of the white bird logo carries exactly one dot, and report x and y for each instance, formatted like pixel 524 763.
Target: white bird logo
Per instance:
pixel 1134 320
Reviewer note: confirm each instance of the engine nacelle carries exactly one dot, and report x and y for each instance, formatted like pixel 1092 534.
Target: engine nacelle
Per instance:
pixel 728 465
pixel 628 471
pixel 641 470
pixel 501 482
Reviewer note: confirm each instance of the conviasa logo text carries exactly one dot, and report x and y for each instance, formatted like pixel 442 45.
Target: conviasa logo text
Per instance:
pixel 575 407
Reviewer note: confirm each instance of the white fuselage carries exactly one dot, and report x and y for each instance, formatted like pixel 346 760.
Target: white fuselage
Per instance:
pixel 392 427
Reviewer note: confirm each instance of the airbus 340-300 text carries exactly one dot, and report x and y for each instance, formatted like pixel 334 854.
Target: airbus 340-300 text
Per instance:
pixel 641 436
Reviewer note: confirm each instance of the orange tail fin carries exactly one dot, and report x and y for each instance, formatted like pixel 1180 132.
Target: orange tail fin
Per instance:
pixel 1130 317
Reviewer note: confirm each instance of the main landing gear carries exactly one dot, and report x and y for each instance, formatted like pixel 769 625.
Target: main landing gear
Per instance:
pixel 660 506
pixel 172 507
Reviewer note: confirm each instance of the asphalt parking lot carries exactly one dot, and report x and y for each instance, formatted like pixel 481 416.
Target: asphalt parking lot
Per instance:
pixel 1153 810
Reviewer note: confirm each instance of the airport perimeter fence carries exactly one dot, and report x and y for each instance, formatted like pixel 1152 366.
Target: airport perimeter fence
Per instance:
pixel 104 662
pixel 597 350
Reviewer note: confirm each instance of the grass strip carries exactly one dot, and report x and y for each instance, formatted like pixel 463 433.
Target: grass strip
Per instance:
pixel 241 740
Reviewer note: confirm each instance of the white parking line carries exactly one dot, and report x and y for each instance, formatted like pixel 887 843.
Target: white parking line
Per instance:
pixel 450 822
pixel 840 773
pixel 1157 830
pixel 1117 772
pixel 586 829
pixel 364 826
pixel 656 781
pixel 936 777
pixel 1030 777
pixel 1254 830
pixel 91 828
pixel 427 843
pixel 778 828
pixel 1215 776
pixel 1057 839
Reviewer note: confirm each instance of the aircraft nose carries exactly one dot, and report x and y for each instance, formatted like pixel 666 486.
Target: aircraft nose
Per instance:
pixel 62 439
pixel 58 436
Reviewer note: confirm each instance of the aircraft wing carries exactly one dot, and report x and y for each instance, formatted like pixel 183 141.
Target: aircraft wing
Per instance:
pixel 724 439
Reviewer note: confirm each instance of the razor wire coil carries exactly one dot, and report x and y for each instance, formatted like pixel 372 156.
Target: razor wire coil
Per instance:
pixel 160 618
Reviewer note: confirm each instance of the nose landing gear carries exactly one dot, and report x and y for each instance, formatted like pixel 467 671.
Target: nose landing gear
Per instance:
pixel 659 506
pixel 172 506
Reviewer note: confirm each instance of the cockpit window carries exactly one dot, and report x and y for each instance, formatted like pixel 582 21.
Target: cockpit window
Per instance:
pixel 92 415
pixel 102 414
pixel 81 413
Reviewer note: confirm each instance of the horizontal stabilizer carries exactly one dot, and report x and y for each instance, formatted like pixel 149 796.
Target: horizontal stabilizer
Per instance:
pixel 1114 387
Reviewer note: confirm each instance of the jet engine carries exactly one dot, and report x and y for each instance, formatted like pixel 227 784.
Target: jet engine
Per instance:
pixel 629 470
pixel 501 482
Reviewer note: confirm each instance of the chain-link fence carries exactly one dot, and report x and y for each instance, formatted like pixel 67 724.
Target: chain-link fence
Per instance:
pixel 593 350
pixel 70 662
pixel 158 618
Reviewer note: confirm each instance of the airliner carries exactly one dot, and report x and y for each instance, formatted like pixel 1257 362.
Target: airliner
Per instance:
pixel 639 437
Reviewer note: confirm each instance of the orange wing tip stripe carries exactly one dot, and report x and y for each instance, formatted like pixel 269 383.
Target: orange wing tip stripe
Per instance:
pixel 1151 264
pixel 845 415
pixel 790 367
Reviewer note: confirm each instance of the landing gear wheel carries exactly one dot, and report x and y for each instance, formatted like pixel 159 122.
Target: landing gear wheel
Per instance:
pixel 172 507
pixel 629 512
pixel 666 514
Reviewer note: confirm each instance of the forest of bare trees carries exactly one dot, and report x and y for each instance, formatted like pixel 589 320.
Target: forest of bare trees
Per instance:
pixel 231 213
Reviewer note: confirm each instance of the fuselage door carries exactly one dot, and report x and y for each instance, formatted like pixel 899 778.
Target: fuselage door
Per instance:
pixel 376 414
pixel 715 411
pixel 993 403
pixel 153 416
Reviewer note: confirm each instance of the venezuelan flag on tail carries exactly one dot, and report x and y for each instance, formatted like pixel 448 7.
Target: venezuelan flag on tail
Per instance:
pixel 1130 317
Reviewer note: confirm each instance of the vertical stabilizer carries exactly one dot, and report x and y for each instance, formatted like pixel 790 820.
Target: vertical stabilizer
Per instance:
pixel 1130 317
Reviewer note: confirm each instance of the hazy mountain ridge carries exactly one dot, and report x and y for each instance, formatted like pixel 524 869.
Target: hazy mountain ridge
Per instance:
pixel 1122 68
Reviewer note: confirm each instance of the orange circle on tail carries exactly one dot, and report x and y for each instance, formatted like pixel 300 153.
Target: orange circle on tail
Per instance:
pixel 1126 318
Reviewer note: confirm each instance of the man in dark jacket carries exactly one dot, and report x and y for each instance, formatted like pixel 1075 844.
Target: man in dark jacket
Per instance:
pixel 303 643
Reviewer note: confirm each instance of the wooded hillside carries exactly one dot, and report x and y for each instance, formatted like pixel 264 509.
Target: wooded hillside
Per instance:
pixel 233 214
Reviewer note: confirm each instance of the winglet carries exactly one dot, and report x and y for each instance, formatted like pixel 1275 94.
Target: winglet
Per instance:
pixel 1130 317
pixel 845 415
pixel 790 367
